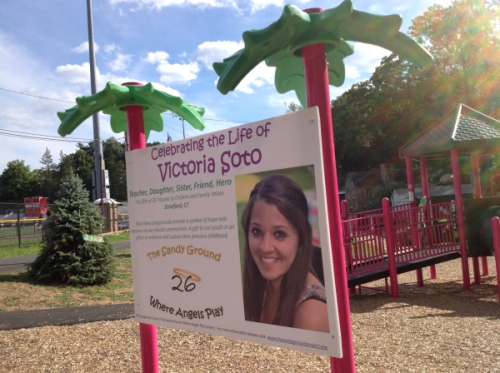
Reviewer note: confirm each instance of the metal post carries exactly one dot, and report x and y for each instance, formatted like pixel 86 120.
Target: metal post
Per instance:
pixel 415 234
pixel 148 333
pixel 459 204
pixel 390 239
pixel 18 225
pixel 425 192
pixel 183 133
pixel 474 160
pixel 95 117
pixel 495 227
pixel 101 184
pixel 318 94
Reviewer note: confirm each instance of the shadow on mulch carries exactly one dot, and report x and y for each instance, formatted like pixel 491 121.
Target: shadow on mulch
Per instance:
pixel 480 301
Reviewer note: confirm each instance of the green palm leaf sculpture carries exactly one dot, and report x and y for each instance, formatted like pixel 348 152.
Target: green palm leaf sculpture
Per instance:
pixel 114 98
pixel 280 45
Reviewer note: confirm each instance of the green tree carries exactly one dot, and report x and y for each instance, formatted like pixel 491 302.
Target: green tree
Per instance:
pixel 16 182
pixel 292 107
pixel 465 42
pixel 65 166
pixel 114 154
pixel 65 256
pixel 83 164
pixel 48 174
pixel 376 117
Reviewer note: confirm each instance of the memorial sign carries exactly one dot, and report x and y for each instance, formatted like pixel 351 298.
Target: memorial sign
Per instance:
pixel 229 235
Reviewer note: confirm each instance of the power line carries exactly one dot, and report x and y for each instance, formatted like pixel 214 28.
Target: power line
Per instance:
pixel 27 94
pixel 71 102
pixel 36 134
pixel 33 136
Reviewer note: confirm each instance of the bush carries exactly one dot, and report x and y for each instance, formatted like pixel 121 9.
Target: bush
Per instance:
pixel 65 257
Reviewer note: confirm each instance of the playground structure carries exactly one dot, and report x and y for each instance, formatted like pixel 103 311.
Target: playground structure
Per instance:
pixel 307 48
pixel 136 109
pixel 374 244
pixel 386 242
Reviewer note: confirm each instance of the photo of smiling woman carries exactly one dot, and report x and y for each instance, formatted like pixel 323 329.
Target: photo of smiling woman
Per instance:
pixel 280 286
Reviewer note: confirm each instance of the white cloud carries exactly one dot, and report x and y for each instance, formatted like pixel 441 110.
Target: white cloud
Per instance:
pixel 281 101
pixel 80 74
pixel 170 91
pixel 75 73
pixel 108 48
pixel 23 72
pixel 351 72
pixel 215 51
pixel 159 4
pixel 175 73
pixel 365 59
pixel 257 77
pixel 157 57
pixel 84 48
pixel 257 5
pixel 121 62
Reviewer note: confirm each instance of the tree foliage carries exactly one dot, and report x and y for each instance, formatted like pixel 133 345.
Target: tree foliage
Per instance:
pixel 376 117
pixel 16 182
pixel 65 256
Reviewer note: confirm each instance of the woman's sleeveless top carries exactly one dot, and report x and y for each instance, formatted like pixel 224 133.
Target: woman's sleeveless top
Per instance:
pixel 312 292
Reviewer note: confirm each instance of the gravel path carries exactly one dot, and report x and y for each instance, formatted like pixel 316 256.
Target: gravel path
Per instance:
pixel 438 328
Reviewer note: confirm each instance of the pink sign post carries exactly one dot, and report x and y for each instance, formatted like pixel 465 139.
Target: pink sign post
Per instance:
pixel 148 333
pixel 128 105
pixel 320 41
pixel 318 94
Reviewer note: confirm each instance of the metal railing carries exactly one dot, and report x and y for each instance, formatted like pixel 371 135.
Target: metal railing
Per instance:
pixel 385 238
pixel 495 227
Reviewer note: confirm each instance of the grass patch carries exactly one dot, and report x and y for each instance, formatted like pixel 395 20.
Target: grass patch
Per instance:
pixel 18 292
pixel 123 236
pixel 14 251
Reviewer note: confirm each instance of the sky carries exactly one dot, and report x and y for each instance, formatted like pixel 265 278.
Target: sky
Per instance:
pixel 170 43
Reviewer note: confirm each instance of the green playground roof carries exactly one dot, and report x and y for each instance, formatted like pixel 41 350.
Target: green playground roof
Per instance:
pixel 464 129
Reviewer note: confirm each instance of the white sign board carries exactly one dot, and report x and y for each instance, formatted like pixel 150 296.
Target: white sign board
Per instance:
pixel 191 203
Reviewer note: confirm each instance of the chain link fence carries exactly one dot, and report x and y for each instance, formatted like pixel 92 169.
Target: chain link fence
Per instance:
pixel 18 229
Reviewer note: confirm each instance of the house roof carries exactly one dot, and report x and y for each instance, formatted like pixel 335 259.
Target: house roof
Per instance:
pixel 365 178
pixel 435 191
pixel 464 129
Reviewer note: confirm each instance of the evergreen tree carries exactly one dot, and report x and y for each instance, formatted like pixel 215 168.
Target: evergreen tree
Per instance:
pixel 65 256
pixel 48 174
pixel 65 168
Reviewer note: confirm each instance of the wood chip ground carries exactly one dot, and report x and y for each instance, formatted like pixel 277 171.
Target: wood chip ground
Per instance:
pixel 437 328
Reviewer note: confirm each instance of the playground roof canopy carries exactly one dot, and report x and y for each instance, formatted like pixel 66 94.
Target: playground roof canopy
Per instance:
pixel 465 129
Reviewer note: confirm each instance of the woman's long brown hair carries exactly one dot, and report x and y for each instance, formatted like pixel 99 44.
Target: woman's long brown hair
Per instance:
pixel 291 202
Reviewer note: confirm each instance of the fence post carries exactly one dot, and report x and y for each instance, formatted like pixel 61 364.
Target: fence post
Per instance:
pixel 495 227
pixel 389 241
pixel 344 210
pixel 18 226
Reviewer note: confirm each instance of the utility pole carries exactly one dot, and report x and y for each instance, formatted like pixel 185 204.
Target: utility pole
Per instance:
pixel 98 154
pixel 181 119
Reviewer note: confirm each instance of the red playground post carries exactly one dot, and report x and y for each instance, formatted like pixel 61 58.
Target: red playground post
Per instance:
pixel 318 94
pixel 495 227
pixel 148 334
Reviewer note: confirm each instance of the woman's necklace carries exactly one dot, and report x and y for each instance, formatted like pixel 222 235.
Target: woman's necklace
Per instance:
pixel 264 302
